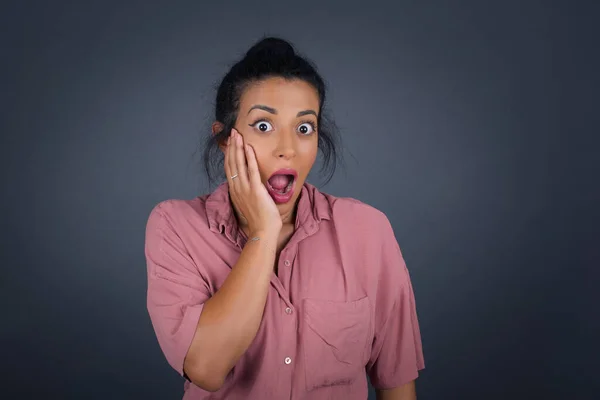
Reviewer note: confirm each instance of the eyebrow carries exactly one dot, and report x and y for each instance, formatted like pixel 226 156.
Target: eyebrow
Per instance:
pixel 274 111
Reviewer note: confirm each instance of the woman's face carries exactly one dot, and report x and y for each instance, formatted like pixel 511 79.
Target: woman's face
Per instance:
pixel 278 118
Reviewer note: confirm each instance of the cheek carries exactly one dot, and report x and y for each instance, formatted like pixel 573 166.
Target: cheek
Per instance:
pixel 308 152
pixel 262 155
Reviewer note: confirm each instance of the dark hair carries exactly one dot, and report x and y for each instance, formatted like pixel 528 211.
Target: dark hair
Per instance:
pixel 270 57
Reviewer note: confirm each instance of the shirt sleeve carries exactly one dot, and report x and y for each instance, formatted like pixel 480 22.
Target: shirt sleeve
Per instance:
pixel 176 290
pixel 397 354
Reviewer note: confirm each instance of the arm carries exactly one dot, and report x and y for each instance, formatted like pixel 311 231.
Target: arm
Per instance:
pixel 396 354
pixel 404 392
pixel 231 318
pixel 203 334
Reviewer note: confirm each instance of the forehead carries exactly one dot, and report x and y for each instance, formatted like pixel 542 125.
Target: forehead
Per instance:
pixel 281 94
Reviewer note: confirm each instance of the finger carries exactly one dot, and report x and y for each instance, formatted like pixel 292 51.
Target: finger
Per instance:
pixel 229 170
pixel 253 172
pixel 240 158
pixel 231 160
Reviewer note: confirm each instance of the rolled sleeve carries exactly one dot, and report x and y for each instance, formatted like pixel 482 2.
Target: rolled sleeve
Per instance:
pixel 397 354
pixel 176 289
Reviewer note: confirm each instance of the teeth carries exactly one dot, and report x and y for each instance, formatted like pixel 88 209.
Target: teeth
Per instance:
pixel 285 190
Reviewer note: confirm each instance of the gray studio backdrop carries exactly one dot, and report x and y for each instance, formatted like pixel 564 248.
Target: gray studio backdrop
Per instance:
pixel 468 123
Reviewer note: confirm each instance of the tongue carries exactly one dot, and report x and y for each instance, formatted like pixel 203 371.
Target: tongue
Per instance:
pixel 279 182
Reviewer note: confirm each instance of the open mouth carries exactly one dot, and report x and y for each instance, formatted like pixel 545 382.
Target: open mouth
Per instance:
pixel 281 185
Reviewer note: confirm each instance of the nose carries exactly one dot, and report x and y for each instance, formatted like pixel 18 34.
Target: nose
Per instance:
pixel 285 146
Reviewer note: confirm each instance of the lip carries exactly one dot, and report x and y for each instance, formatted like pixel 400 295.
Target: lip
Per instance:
pixel 285 171
pixel 283 198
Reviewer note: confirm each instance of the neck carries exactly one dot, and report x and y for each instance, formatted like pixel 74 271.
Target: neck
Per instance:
pixel 288 218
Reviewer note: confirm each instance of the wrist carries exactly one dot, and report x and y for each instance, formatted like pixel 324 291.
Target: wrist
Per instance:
pixel 265 233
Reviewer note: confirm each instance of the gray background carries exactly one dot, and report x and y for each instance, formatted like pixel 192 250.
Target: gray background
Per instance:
pixel 471 124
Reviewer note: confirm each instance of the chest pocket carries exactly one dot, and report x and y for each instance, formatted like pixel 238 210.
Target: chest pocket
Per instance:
pixel 336 341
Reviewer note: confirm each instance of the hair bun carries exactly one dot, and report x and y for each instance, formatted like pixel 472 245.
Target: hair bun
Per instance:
pixel 271 46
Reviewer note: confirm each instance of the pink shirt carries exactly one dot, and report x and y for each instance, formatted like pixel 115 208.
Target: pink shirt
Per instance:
pixel 342 303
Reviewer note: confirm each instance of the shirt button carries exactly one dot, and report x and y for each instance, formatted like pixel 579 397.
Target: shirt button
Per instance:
pixel 287 263
pixel 288 360
pixel 288 310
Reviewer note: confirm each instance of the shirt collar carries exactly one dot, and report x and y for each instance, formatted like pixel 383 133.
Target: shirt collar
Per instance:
pixel 313 206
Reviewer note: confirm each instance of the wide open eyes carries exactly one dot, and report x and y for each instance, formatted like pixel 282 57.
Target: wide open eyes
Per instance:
pixel 305 128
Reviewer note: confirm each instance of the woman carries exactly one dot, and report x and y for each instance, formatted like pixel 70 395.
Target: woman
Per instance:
pixel 268 288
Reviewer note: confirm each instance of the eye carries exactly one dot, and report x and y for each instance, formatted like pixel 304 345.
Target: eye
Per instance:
pixel 262 126
pixel 307 128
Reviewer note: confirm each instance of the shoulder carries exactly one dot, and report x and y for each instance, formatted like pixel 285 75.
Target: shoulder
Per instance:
pixel 359 215
pixel 367 240
pixel 178 214
pixel 176 207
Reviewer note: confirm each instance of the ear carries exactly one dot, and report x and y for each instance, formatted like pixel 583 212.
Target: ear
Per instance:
pixel 217 127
